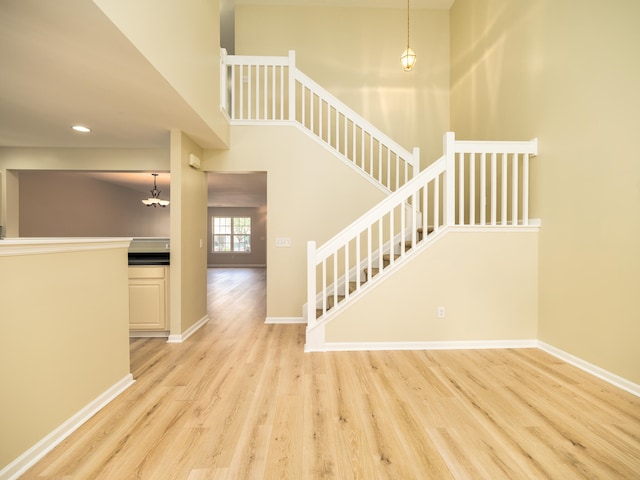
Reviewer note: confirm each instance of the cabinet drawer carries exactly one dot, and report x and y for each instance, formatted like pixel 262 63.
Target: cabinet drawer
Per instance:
pixel 147 272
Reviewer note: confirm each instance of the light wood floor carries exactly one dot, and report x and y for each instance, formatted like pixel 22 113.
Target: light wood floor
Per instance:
pixel 240 400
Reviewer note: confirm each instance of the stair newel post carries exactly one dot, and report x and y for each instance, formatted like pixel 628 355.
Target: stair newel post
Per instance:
pixel 292 85
pixel 450 179
pixel 311 282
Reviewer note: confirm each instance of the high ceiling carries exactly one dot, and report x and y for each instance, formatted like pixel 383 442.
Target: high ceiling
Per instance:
pixel 64 63
pixel 421 4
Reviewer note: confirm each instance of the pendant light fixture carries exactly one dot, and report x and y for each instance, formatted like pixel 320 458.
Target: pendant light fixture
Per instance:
pixel 408 57
pixel 154 199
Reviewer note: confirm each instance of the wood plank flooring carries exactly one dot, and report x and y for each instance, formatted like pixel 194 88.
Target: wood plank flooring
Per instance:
pixel 240 400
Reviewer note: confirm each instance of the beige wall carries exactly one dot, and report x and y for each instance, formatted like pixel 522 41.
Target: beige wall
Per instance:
pixel 181 39
pixel 487 283
pixel 311 195
pixel 568 73
pixel 47 374
pixel 354 53
pixel 188 295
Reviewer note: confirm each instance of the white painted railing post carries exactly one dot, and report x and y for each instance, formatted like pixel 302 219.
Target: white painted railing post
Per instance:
pixel 292 85
pixel 311 283
pixel 223 80
pixel 416 163
pixel 450 179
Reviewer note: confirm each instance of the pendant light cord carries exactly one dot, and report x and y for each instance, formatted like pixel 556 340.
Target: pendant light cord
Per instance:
pixel 407 23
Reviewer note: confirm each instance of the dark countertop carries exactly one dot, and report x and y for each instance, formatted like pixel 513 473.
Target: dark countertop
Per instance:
pixel 149 258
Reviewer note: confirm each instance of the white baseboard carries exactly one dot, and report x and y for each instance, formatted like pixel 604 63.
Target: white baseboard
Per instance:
pixel 594 370
pixel 237 265
pixel 444 345
pixel 188 332
pixel 45 445
pixel 285 320
pixel 149 334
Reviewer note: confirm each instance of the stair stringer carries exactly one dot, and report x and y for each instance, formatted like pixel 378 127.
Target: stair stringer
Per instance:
pixel 486 277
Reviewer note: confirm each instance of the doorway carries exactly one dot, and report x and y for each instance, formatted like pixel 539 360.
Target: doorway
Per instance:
pixel 237 219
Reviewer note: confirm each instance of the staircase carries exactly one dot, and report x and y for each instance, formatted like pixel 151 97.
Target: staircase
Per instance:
pixel 473 185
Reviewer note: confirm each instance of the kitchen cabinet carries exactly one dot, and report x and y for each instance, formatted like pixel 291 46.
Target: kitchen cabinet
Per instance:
pixel 148 298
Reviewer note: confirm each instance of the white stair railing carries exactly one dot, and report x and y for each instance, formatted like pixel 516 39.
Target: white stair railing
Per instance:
pixel 256 89
pixel 359 243
pixel 490 181
pixel 474 184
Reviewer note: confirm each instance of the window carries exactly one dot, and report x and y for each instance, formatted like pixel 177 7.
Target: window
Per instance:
pixel 231 234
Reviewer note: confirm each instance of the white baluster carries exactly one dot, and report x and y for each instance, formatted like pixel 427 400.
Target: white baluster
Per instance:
pixel 371 155
pixel 414 220
pixel 525 189
pixel 380 161
pixel 514 189
pixel 483 188
pixel 472 188
pixel 461 192
pixel 234 92
pixel 304 106
pixel 503 190
pixel 249 92
pixel 292 86
pixel 324 286
pixel 353 139
pixel 311 282
pixel 312 102
pixel 257 111
pixel 436 207
pixel 494 187
pixel 358 259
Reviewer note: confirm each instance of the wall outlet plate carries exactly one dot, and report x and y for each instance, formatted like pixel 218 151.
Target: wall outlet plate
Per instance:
pixel 283 242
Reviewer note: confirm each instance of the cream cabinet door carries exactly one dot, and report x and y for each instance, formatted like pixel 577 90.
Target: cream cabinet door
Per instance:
pixel 147 301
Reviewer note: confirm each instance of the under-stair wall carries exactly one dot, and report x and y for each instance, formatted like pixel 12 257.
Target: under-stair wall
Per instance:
pixel 472 288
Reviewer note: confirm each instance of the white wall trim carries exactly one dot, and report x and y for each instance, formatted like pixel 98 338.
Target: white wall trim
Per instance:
pixel 46 444
pixel 148 334
pixel 442 345
pixel 284 320
pixel 237 265
pixel 594 370
pixel 188 332
pixel 38 246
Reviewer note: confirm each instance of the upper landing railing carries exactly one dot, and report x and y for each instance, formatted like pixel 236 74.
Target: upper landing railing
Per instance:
pixel 256 89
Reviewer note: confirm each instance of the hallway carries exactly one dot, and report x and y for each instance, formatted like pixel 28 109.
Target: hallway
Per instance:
pixel 240 400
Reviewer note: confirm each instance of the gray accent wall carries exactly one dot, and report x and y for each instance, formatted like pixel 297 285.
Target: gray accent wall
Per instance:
pixel 69 204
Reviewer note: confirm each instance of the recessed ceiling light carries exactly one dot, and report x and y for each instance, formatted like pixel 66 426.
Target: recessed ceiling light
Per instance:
pixel 81 128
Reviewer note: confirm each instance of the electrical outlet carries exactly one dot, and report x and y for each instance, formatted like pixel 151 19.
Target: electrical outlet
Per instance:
pixel 441 313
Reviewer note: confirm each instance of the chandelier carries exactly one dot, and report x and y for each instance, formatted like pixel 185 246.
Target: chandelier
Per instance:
pixel 408 57
pixel 154 199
